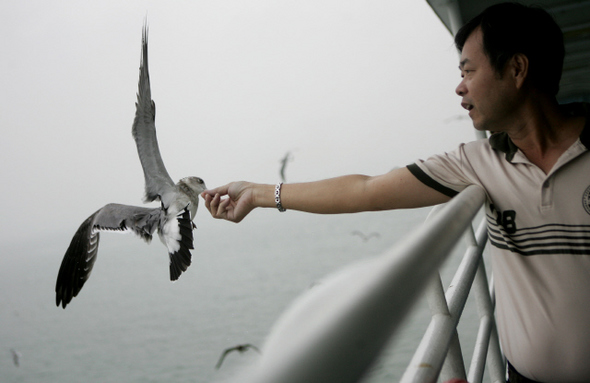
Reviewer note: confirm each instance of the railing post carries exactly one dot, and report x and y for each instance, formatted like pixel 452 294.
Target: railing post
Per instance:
pixel 430 354
pixel 453 365
pixel 496 361
pixel 486 313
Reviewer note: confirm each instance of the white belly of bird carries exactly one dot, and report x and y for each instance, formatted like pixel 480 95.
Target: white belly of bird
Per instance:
pixel 170 235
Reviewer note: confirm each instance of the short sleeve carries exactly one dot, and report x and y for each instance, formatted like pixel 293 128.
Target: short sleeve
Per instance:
pixel 448 173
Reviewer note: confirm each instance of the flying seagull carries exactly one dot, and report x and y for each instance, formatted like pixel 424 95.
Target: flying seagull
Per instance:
pixel 241 348
pixel 173 219
pixel 366 237
pixel 15 357
pixel 284 162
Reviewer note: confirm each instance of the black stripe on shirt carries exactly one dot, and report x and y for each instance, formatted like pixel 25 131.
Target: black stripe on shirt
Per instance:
pixel 426 180
pixel 555 251
pixel 544 239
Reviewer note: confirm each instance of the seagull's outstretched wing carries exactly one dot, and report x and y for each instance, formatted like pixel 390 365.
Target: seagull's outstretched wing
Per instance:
pixel 222 357
pixel 241 348
pixel 157 179
pixel 81 254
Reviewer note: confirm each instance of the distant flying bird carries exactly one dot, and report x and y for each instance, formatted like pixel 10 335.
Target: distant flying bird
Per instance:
pixel 366 237
pixel 241 348
pixel 284 162
pixel 15 357
pixel 173 219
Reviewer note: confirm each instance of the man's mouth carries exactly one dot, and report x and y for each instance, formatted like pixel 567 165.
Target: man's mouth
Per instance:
pixel 467 106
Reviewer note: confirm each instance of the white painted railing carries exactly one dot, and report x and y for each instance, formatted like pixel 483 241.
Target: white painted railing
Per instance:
pixel 335 331
pixel 441 340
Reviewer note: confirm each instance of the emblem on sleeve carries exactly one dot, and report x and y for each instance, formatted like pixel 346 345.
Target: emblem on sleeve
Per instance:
pixel 586 200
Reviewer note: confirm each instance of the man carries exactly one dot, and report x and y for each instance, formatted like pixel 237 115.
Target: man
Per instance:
pixel 535 169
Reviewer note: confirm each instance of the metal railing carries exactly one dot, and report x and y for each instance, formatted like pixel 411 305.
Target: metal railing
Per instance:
pixel 335 331
pixel 441 339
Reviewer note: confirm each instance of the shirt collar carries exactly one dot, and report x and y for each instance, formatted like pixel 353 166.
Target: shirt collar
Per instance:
pixel 501 142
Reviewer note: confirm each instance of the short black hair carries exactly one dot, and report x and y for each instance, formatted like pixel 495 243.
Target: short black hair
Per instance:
pixel 512 28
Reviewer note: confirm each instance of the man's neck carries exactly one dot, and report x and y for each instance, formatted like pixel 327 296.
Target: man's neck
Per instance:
pixel 543 132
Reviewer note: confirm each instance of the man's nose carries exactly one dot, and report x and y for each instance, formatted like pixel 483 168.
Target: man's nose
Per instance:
pixel 461 89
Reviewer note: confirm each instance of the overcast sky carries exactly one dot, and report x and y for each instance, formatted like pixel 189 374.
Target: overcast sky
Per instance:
pixel 346 86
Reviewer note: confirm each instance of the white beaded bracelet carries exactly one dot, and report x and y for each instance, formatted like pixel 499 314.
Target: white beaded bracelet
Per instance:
pixel 278 197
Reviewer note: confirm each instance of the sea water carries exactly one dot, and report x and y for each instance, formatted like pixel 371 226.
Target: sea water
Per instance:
pixel 131 324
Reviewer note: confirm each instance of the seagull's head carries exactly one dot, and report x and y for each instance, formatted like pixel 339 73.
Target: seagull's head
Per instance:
pixel 195 184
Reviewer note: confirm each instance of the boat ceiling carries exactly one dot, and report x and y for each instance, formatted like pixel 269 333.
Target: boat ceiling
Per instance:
pixel 572 16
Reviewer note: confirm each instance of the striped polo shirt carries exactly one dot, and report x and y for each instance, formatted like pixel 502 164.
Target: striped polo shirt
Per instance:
pixel 539 231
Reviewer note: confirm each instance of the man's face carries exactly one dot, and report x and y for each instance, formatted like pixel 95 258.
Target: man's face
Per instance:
pixel 489 97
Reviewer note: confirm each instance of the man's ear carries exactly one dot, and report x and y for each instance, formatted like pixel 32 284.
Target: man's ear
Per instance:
pixel 518 68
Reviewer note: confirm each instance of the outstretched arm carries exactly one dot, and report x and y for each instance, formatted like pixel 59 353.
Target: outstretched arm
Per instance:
pixel 347 194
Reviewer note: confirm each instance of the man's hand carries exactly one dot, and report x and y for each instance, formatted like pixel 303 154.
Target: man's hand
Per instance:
pixel 237 204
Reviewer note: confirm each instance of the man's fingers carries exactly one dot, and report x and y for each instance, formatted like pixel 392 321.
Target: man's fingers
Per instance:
pixel 215 210
pixel 222 203
pixel 219 208
pixel 207 199
pixel 221 190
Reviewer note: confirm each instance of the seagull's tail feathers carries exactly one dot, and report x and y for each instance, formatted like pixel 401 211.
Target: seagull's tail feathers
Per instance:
pixel 145 223
pixel 178 237
pixel 142 221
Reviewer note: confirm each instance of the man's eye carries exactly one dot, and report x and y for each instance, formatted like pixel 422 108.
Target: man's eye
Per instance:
pixel 465 72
